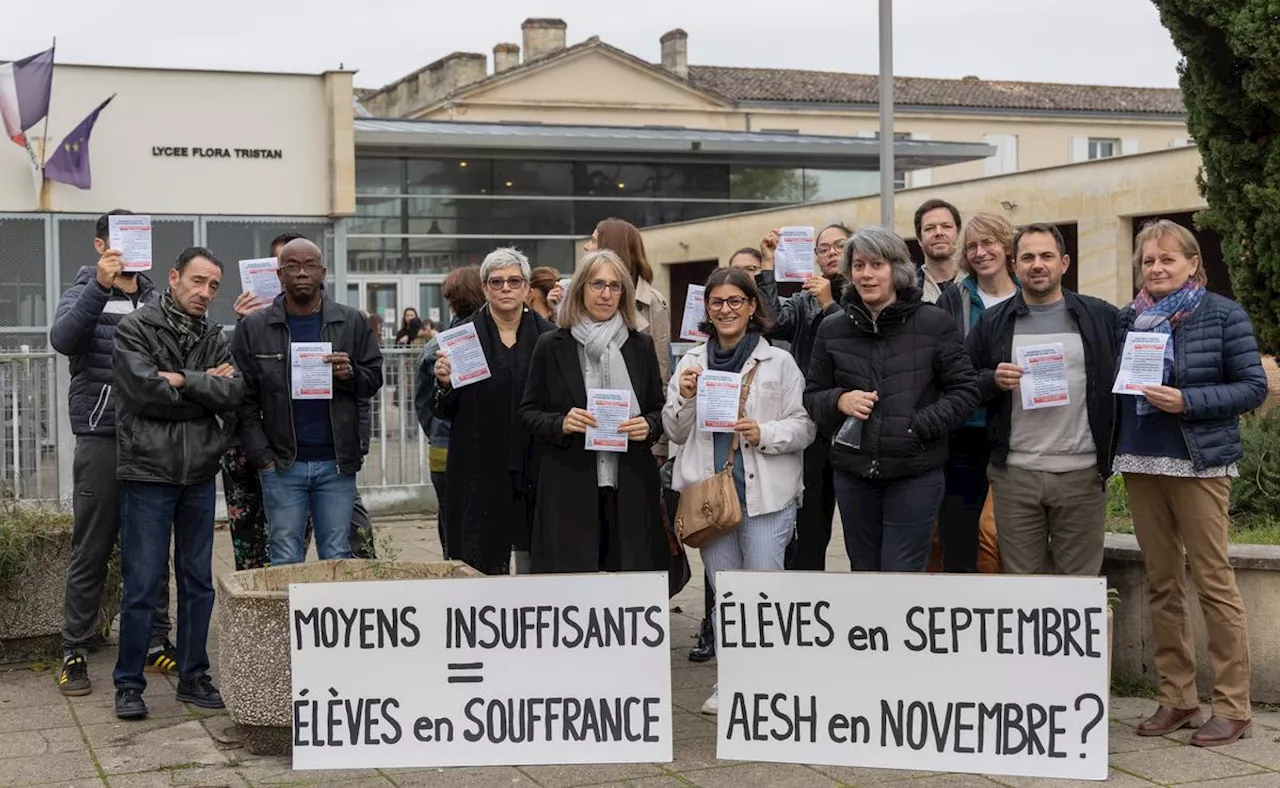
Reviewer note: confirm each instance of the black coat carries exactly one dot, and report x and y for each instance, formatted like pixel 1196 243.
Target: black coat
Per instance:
pixel 170 435
pixel 491 465
pixel 991 343
pixel 566 525
pixel 912 357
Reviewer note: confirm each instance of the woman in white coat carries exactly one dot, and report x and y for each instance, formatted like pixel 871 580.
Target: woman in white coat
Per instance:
pixel 768 468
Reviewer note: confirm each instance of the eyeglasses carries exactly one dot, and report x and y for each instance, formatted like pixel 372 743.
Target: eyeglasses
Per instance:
pixel 512 282
pixel 822 249
pixel 733 302
pixel 293 269
pixel 599 286
pixel 985 243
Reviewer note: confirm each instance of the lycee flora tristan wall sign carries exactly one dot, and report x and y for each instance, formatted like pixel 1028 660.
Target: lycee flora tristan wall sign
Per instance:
pixel 216 153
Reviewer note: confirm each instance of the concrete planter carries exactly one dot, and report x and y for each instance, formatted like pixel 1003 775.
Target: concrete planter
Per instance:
pixel 1257 570
pixel 31 602
pixel 253 627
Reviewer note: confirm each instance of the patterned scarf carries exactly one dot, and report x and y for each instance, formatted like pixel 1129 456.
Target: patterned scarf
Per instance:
pixel 1162 317
pixel 189 329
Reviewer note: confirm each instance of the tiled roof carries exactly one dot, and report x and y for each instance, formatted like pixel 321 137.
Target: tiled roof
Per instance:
pixel 791 85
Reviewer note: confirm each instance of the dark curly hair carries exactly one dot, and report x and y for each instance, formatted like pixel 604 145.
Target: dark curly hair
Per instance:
pixel 762 320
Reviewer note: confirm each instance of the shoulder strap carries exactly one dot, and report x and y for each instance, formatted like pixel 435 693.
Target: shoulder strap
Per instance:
pixel 742 411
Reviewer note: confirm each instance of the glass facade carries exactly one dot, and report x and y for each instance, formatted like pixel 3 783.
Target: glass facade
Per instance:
pixel 430 215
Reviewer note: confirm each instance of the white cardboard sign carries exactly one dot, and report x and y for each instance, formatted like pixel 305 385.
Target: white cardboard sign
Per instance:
pixel 553 669
pixel 984 674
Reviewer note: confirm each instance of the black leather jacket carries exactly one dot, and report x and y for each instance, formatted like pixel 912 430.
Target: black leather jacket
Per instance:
pixel 261 349
pixel 166 434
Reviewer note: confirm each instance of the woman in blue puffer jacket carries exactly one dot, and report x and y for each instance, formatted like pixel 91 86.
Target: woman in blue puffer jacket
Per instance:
pixel 1177 445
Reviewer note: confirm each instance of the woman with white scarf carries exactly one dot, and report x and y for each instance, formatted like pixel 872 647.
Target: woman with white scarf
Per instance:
pixel 598 508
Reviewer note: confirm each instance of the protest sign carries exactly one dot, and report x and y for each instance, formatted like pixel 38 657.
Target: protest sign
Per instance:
pixel 982 674
pixel 481 671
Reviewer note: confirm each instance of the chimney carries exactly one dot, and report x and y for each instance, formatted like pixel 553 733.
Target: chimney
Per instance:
pixel 542 37
pixel 505 56
pixel 675 52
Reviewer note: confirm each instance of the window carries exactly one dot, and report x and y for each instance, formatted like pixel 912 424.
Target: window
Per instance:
pixel 1103 148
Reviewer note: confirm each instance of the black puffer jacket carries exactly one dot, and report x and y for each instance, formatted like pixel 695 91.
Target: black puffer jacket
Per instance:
pixel 166 434
pixel 83 329
pixel 912 357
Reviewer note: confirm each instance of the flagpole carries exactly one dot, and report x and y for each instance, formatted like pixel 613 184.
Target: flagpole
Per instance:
pixel 43 199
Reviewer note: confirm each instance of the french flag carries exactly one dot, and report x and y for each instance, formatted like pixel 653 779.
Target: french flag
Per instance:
pixel 25 86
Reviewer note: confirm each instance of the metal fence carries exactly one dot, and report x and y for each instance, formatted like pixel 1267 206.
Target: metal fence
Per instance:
pixel 28 426
pixel 398 451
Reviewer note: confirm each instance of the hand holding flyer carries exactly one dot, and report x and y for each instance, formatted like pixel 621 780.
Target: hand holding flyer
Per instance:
pixel 694 311
pixel 794 260
pixel 466 355
pixel 1044 376
pixel 718 400
pixel 310 374
pixel 259 277
pixel 1141 362
pixel 609 407
pixel 131 234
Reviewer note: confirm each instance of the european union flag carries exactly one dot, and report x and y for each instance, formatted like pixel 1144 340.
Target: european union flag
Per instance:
pixel 70 161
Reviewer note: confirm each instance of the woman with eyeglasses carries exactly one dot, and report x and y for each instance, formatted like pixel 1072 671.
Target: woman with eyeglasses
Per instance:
pixel 767 446
pixel 491 465
pixel 596 510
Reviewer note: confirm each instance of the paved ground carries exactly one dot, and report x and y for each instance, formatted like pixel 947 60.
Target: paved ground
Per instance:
pixel 48 740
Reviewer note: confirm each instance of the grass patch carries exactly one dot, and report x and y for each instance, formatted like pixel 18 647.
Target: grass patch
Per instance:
pixel 28 536
pixel 1126 687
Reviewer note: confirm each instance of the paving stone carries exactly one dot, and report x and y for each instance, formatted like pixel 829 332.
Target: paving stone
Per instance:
pixel 690 698
pixel 200 777
pixel 159 747
pixel 1124 738
pixel 55 767
pixel 27 744
pixel 20 688
pixel 1268 780
pixel 101 707
pixel 1267 719
pixel 949 781
pixel 465 777
pixel 648 782
pixel 588 774
pixel 1181 764
pixel 774 775
pixel 119 733
pixel 694 754
pixel 34 718
pixel 1262 750
pixel 690 675
pixel 1115 779
pixel 691 726
pixel 276 774
pixel 1131 710
pixel 865 775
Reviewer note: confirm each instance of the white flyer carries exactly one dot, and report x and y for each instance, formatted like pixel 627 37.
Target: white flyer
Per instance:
pixel 695 311
pixel 259 277
pixel 131 235
pixel 610 408
pixel 1141 362
pixel 794 260
pixel 718 400
pixel 466 354
pixel 1044 376
pixel 311 375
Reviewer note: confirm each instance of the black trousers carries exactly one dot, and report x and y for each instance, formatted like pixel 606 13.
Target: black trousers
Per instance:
pixel 808 548
pixel 962 501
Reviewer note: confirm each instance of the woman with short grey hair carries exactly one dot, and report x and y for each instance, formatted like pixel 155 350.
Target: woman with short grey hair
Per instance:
pixel 888 382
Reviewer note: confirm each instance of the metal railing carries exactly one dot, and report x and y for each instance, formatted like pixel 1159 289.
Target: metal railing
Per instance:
pixel 398 450
pixel 28 426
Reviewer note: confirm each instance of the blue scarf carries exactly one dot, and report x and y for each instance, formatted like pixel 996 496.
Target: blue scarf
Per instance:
pixel 1162 317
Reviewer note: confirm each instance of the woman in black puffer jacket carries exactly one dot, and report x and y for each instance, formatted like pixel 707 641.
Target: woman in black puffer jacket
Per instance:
pixel 888 382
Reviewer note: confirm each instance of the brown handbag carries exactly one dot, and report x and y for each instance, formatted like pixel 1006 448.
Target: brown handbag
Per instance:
pixel 710 508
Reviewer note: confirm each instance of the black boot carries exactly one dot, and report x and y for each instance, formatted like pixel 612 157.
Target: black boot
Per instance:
pixel 706 647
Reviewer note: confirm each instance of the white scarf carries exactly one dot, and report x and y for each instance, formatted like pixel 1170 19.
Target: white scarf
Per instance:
pixel 600 353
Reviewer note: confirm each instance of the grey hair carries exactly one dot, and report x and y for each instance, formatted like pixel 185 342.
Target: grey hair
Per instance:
pixel 882 244
pixel 505 257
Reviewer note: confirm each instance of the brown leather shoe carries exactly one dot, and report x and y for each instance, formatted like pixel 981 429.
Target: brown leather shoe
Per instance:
pixel 1168 719
pixel 1220 730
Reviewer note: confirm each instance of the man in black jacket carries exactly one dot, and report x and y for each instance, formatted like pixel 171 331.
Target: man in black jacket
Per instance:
pixel 1046 363
pixel 307 450
pixel 797 321
pixel 174 378
pixel 83 329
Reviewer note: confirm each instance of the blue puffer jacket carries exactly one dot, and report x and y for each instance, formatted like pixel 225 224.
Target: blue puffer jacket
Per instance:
pixel 84 328
pixel 1217 367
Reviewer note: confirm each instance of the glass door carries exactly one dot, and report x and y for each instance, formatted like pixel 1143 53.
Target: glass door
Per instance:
pixel 382 299
pixel 431 304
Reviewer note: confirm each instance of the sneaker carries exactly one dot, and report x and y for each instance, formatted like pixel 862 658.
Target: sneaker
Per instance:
pixel 162 658
pixel 200 692
pixel 130 705
pixel 711 705
pixel 73 681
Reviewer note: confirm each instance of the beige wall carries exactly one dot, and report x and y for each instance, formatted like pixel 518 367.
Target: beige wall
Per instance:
pixel 1101 197
pixel 297 114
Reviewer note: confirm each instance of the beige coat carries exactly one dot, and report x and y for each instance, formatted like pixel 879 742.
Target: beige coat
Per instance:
pixel 654 318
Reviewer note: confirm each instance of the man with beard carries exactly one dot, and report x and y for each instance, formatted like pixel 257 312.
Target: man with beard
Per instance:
pixel 798 318
pixel 1049 462
pixel 937 227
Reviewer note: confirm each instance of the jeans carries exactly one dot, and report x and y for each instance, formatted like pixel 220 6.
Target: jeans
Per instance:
pixel 966 493
pixel 315 488
pixel 888 523
pixel 149 515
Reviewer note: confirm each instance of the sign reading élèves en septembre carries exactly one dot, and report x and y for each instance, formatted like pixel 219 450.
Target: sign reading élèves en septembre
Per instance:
pixel 196 152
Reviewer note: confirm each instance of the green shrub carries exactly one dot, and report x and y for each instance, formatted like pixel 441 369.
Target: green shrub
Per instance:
pixel 1255 496
pixel 1117 497
pixel 28 536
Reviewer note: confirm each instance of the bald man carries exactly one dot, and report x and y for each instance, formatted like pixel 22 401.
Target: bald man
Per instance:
pixel 306 446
